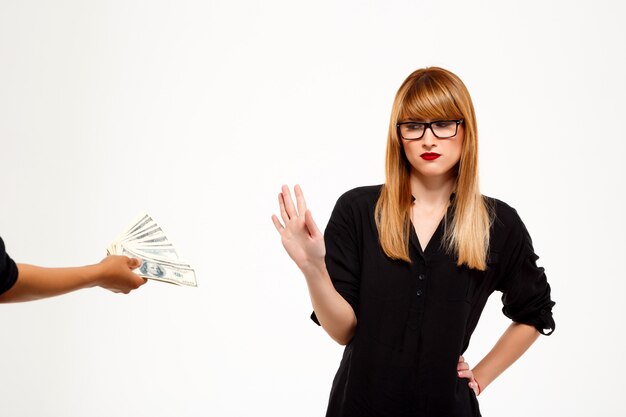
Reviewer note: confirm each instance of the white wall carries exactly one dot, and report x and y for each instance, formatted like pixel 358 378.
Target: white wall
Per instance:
pixel 198 111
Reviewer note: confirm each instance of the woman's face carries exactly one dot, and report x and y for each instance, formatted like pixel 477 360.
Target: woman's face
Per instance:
pixel 422 153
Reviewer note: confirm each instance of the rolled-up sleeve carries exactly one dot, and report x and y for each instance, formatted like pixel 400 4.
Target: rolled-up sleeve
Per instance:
pixel 8 270
pixel 342 253
pixel 524 285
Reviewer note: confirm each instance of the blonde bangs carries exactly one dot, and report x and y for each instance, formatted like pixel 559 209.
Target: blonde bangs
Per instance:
pixel 427 99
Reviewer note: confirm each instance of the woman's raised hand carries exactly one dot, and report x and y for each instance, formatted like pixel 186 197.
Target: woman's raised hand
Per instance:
pixel 300 236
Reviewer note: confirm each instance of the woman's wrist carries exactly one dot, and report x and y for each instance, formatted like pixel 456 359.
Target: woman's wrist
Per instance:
pixel 315 269
pixel 476 377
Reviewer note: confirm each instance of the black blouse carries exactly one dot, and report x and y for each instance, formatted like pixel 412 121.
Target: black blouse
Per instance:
pixel 414 320
pixel 8 270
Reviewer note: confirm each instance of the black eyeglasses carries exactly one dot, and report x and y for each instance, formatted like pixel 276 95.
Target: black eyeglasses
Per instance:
pixel 442 129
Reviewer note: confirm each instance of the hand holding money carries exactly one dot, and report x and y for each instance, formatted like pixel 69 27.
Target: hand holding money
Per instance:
pixel 146 241
pixel 114 273
pixel 36 282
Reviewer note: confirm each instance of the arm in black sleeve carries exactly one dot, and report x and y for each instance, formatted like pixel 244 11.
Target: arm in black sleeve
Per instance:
pixel 8 270
pixel 526 292
pixel 342 254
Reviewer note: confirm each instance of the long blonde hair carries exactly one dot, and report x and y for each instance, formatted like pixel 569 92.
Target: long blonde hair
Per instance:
pixel 430 94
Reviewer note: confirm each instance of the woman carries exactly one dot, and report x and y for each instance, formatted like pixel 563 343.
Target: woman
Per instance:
pixel 404 269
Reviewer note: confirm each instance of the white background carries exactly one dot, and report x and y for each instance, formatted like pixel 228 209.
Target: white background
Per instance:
pixel 199 111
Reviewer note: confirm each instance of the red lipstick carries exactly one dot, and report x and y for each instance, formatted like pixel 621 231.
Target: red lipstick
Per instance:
pixel 429 156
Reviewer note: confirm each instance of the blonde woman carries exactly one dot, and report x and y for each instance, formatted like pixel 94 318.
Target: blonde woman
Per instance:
pixel 404 269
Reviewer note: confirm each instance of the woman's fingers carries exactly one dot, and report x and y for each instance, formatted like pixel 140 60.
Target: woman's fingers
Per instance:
pixel 462 365
pixel 277 223
pixel 310 224
pixel 465 374
pixel 474 386
pixel 283 211
pixel 300 236
pixel 300 199
pixel 472 382
pixel 289 206
pixel 288 211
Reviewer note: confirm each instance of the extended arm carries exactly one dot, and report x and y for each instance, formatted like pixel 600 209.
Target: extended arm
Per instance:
pixel 34 282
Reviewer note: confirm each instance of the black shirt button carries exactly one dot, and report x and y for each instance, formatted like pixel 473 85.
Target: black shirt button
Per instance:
pixel 421 276
pixel 419 292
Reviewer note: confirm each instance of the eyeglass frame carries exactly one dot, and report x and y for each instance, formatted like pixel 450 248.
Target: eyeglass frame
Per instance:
pixel 428 125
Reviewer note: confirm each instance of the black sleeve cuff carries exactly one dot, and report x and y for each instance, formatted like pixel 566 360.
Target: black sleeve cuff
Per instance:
pixel 8 273
pixel 541 320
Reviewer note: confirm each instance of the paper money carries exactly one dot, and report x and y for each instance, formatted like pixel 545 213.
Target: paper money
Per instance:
pixel 145 240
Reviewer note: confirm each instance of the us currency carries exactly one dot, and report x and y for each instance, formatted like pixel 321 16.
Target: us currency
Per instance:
pixel 161 270
pixel 145 240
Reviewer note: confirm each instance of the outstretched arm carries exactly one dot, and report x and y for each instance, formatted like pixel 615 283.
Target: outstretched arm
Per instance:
pixel 34 282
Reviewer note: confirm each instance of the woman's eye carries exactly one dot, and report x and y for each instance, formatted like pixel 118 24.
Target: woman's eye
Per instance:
pixel 414 127
pixel 444 124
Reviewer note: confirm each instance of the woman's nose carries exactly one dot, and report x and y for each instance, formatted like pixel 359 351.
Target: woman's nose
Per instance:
pixel 429 140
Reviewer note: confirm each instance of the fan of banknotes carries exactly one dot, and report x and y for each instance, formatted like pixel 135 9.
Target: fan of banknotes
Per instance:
pixel 145 240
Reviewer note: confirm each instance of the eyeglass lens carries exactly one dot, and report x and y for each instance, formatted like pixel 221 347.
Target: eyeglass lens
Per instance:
pixel 442 129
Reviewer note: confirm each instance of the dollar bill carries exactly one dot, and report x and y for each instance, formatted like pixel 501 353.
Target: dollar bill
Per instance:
pixel 145 240
pixel 162 271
